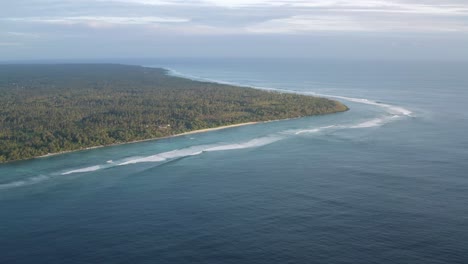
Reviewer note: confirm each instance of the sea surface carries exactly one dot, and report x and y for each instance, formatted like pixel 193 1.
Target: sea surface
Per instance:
pixel 386 182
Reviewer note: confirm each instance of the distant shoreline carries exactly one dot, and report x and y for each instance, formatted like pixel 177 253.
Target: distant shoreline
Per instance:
pixel 204 130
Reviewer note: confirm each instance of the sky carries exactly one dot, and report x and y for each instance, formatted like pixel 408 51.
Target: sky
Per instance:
pixel 370 29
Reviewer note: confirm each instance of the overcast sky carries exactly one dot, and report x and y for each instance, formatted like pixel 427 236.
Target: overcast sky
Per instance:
pixel 82 29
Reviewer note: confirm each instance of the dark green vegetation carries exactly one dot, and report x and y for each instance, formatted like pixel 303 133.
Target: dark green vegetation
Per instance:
pixel 52 108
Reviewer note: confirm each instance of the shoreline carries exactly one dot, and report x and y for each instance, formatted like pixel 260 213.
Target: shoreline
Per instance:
pixel 204 130
pixel 339 107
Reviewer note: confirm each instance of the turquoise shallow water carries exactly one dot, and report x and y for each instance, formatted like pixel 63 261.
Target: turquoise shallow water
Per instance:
pixel 384 182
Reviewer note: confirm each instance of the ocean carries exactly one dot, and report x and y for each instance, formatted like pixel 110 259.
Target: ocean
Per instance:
pixel 386 182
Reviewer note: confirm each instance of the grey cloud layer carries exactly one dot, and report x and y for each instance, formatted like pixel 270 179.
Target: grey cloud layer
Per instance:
pixel 36 23
pixel 249 17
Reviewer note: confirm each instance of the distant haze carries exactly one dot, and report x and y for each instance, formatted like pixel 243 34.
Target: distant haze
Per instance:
pixel 370 29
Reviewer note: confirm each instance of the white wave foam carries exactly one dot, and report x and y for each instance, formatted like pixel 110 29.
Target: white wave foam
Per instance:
pixel 370 123
pixel 314 130
pixel 29 181
pixel 87 169
pixel 178 153
pixel 375 122
pixel 392 109
pixel 197 150
pixel 397 109
pixel 365 124
pixel 258 142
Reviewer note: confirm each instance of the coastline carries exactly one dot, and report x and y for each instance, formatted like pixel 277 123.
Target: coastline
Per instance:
pixel 28 151
pixel 204 130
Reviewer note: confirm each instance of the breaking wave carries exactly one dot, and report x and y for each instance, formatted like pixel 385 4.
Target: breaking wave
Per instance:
pixel 258 142
pixel 313 130
pixel 87 169
pixel 28 181
pixel 375 122
pixel 178 153
pixel 391 109
pixel 197 150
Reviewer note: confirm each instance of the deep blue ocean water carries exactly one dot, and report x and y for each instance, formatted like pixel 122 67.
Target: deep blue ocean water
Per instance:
pixel 386 182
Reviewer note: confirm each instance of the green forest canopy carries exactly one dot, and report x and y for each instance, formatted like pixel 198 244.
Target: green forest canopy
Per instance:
pixel 52 108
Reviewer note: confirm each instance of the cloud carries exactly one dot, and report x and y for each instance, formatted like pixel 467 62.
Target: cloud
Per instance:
pixel 379 6
pixel 303 16
pixel 99 20
pixel 234 17
pixel 308 24
pixel 303 24
pixel 149 2
pixel 23 34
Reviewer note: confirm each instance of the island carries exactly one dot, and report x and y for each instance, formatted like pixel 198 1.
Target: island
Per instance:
pixel 52 108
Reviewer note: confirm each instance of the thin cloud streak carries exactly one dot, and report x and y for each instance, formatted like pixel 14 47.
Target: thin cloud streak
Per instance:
pixel 308 24
pixel 331 5
pixel 100 19
pixel 23 34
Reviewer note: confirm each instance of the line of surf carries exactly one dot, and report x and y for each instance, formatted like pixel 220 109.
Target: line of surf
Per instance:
pixel 375 122
pixel 178 153
pixel 25 182
pixel 156 158
pixel 87 169
pixel 392 109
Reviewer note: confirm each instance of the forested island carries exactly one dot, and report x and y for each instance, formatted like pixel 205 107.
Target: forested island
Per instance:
pixel 53 108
